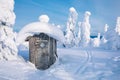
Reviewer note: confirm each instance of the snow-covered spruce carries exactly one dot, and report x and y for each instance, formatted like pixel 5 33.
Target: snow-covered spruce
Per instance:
pixel 7 15
pixel 40 27
pixel 103 40
pixel 78 39
pixel 96 41
pixel 85 30
pixel 71 24
pixel 114 38
pixel 117 29
pixel 8 49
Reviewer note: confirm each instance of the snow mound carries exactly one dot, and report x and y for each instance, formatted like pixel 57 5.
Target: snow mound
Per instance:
pixel 44 18
pixel 72 9
pixel 40 27
pixel 88 13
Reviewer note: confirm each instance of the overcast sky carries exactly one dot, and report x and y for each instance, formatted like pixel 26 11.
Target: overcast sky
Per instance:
pixel 103 11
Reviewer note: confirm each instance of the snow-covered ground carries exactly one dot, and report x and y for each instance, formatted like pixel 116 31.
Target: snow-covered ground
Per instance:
pixel 72 64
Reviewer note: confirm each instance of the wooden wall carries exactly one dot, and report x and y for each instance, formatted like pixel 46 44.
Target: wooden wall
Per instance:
pixel 43 57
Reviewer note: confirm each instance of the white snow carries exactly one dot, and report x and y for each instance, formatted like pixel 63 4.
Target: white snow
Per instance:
pixel 96 41
pixel 87 13
pixel 7 4
pixel 106 28
pixel 72 64
pixel 117 29
pixel 44 18
pixel 112 37
pixel 85 30
pixel 79 34
pixel 81 63
pixel 8 48
pixel 72 9
pixel 40 27
pixel 6 12
pixel 70 31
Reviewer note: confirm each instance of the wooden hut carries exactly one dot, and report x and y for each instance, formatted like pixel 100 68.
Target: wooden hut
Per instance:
pixel 42 50
pixel 42 38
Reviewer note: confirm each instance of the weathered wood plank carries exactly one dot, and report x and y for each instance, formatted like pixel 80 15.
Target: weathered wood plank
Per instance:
pixel 32 50
pixel 42 51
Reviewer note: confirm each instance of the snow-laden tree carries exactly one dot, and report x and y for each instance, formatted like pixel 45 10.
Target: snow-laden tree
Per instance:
pixel 79 34
pixel 71 24
pixel 117 29
pixel 113 37
pixel 103 40
pixel 85 30
pixel 8 49
pixel 106 28
pixel 96 41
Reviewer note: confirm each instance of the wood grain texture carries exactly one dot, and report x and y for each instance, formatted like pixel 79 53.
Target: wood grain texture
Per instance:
pixel 42 51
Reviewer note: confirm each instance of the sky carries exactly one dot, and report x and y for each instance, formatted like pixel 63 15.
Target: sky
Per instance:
pixel 102 12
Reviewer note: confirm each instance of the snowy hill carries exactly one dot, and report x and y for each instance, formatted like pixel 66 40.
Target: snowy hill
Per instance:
pixel 72 64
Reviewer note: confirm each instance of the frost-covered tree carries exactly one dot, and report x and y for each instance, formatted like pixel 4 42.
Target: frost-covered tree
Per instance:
pixel 117 29
pixel 85 30
pixel 106 28
pixel 113 37
pixel 103 40
pixel 112 40
pixel 79 34
pixel 96 41
pixel 8 49
pixel 71 24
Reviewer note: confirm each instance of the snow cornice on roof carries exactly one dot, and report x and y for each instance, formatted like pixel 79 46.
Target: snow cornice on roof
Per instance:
pixel 40 27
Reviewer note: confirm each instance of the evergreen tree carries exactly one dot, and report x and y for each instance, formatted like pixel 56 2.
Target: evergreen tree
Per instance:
pixel 79 34
pixel 85 30
pixel 103 40
pixel 70 31
pixel 8 49
pixel 96 41
pixel 113 37
pixel 117 29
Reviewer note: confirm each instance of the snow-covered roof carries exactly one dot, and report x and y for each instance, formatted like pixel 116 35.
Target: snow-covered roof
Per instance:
pixel 40 27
